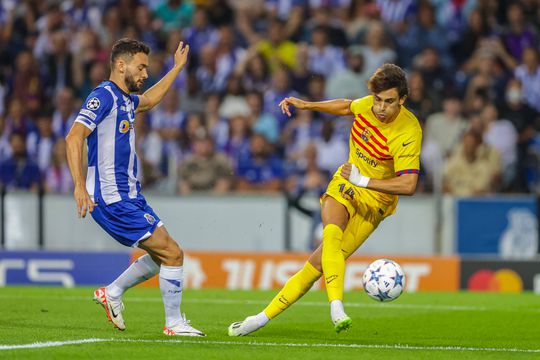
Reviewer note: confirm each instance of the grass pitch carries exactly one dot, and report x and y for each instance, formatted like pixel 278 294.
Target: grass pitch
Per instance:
pixel 58 323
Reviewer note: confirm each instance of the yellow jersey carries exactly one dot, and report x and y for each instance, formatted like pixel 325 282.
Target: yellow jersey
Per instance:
pixel 383 150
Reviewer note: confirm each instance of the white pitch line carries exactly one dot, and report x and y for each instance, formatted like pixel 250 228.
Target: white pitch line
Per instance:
pixel 386 306
pixel 37 345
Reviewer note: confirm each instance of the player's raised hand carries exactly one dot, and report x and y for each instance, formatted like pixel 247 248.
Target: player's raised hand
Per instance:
pixel 297 103
pixel 181 55
pixel 84 203
pixel 346 170
pixel 353 175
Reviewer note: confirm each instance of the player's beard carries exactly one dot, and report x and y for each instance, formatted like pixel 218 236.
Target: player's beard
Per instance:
pixel 131 84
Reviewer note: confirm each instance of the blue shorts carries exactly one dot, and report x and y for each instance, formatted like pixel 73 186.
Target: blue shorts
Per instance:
pixel 128 221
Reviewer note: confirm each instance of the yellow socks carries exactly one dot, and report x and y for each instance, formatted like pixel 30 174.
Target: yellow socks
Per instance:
pixel 333 262
pixel 293 290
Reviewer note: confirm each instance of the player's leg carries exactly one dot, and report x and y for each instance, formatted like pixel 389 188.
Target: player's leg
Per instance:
pixel 139 271
pixel 160 245
pixel 293 290
pixel 110 297
pixel 335 218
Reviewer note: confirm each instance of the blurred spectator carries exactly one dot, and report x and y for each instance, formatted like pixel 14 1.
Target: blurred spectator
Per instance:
pixel 301 74
pixel 322 15
pixel 444 129
pixel 280 89
pixel 234 102
pixel 324 58
pixel 205 170
pixel 57 177
pixel 59 64
pixel 437 78
pixel 262 122
pixel 332 151
pixel 18 172
pixel 501 135
pixel 420 101
pixel 111 27
pixel 376 50
pixel 65 112
pixel 206 72
pixel 397 13
pixel 25 83
pixel 351 82
pixel 174 14
pixel 201 33
pixel 470 37
pixel 261 171
pixel 40 144
pixel 529 74
pixel 17 120
pixel 167 121
pixel 276 49
pixel 518 35
pixel 290 12
pixel 5 148
pixel 217 126
pixel 473 168
pixel 228 53
pixel 425 32
pixel 254 70
pixel 145 28
pixel 237 145
pixel 526 121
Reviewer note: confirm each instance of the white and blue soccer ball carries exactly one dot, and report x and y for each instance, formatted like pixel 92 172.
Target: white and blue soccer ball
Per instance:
pixel 384 280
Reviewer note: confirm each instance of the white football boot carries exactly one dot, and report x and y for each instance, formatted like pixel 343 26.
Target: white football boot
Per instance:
pixel 243 328
pixel 113 308
pixel 182 329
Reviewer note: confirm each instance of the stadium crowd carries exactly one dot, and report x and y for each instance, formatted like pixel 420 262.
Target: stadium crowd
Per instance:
pixel 473 67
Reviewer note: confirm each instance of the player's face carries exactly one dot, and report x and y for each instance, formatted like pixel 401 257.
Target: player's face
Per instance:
pixel 136 72
pixel 386 104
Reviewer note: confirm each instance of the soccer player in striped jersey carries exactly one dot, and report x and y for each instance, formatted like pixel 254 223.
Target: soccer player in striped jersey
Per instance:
pixel 384 162
pixel 111 191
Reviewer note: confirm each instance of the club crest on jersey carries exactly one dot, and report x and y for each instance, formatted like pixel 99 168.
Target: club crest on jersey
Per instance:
pixel 366 135
pixel 151 220
pixel 93 104
pixel 124 126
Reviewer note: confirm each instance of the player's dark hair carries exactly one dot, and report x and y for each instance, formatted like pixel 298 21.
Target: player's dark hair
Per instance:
pixel 128 47
pixel 387 77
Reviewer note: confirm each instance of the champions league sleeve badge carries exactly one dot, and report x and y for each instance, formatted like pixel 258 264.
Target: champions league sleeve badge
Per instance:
pixel 93 104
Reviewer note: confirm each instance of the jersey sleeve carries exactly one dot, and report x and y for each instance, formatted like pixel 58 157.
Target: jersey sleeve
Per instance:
pixel 355 106
pixel 96 107
pixel 406 152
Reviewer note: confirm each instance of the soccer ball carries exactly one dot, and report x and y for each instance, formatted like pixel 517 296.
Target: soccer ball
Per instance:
pixel 384 280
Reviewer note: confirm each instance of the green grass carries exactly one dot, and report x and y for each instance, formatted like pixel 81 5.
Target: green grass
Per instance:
pixel 429 323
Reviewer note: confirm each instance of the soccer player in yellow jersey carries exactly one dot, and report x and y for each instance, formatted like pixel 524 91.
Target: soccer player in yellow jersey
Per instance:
pixel 384 162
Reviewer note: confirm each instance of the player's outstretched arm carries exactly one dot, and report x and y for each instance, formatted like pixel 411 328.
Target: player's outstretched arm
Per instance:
pixel 153 96
pixel 404 184
pixel 74 143
pixel 340 107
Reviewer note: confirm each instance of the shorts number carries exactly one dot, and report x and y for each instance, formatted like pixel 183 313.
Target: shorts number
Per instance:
pixel 349 192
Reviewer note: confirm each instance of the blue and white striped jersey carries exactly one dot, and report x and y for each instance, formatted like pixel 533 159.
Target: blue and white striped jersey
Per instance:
pixel 109 113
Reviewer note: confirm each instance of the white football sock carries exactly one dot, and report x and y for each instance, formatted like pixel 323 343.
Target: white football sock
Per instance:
pixel 142 269
pixel 170 284
pixel 262 319
pixel 336 310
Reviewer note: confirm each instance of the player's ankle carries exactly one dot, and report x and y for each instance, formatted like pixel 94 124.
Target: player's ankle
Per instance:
pixel 114 292
pixel 262 318
pixel 336 309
